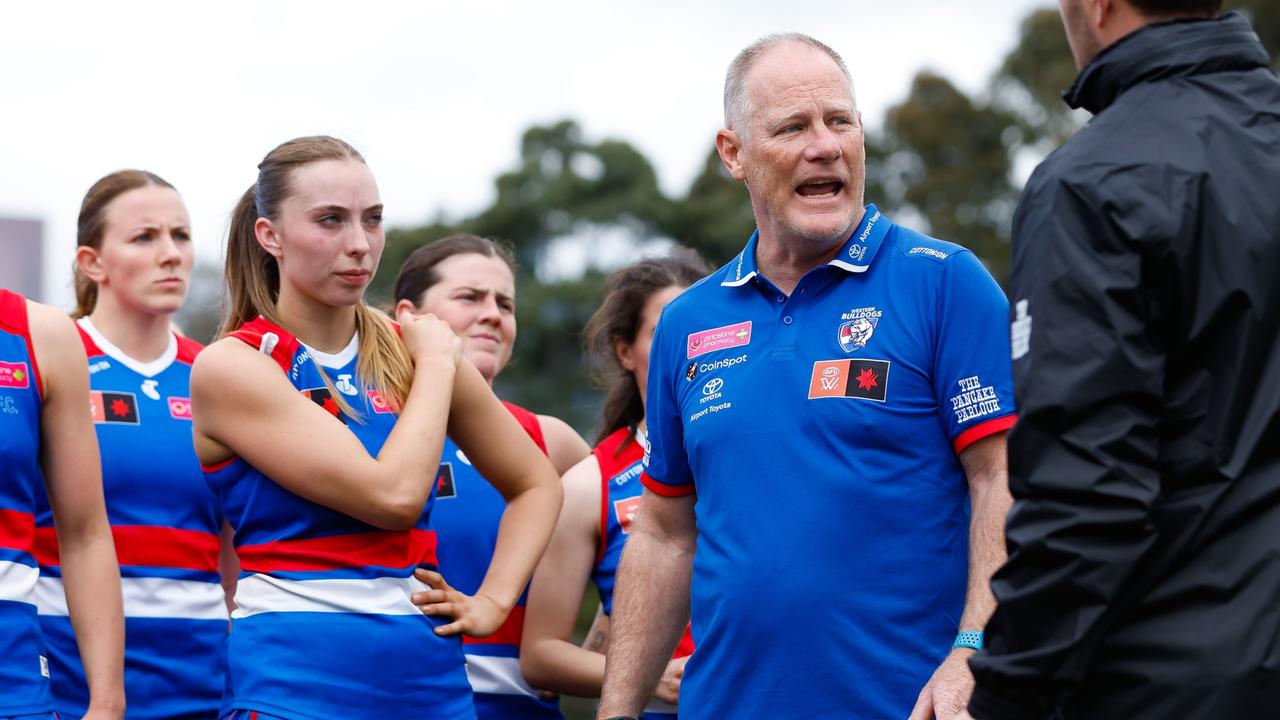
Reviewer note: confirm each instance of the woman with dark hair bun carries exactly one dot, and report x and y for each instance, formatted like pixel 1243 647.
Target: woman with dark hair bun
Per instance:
pixel 469 282
pixel 133 266
pixel 320 425
pixel 602 493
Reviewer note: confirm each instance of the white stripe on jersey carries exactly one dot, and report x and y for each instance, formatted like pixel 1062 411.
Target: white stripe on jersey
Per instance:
pixel 497 676
pixel 260 593
pixel 146 598
pixel 17 581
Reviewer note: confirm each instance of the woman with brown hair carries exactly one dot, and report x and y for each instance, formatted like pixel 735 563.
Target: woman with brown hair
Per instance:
pixel 320 430
pixel 133 266
pixel 602 493
pixel 469 282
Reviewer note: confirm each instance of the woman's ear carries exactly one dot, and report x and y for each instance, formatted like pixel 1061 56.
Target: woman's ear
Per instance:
pixel 268 239
pixel 89 261
pixel 623 351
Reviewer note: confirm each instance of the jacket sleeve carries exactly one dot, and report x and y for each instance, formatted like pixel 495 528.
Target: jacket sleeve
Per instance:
pixel 1088 376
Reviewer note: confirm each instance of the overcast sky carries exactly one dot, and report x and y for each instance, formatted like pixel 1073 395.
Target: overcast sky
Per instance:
pixel 435 94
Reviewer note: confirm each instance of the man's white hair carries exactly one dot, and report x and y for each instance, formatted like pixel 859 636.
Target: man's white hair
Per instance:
pixel 737 101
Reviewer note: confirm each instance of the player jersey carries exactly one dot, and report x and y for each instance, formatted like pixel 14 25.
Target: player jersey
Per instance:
pixel 465 519
pixel 24 669
pixel 324 627
pixel 619 456
pixel 165 524
pixel 820 432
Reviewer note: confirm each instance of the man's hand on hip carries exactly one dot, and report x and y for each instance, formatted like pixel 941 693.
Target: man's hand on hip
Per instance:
pixel 947 694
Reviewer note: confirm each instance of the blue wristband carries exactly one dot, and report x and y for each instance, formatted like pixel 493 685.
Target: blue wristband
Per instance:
pixel 968 639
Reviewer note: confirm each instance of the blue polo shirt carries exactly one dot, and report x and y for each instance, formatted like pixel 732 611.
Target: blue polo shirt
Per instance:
pixel 820 433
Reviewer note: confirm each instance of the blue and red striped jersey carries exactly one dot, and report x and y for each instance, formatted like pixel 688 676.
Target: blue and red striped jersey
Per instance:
pixel 324 627
pixel 165 523
pixel 24 670
pixel 466 518
pixel 620 456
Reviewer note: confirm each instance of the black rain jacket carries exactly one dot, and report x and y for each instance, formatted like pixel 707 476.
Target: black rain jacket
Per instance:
pixel 1143 581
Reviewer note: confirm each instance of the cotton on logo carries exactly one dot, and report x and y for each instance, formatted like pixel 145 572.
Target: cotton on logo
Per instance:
pixel 180 408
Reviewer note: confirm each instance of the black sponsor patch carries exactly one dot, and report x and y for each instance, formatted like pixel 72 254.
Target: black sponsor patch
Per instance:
pixel 114 407
pixel 444 482
pixel 691 372
pixel 855 378
pixel 323 398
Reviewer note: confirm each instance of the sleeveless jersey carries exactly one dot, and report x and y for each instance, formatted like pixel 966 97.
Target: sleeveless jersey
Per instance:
pixel 466 519
pixel 165 523
pixel 324 627
pixel 620 457
pixel 24 670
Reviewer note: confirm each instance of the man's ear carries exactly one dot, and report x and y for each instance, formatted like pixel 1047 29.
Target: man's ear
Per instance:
pixel 268 239
pixel 729 146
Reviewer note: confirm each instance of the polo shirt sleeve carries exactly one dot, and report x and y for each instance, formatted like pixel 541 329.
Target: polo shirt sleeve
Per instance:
pixel 973 373
pixel 666 464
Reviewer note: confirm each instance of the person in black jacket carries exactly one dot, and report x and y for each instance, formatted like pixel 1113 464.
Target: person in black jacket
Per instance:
pixel 1143 578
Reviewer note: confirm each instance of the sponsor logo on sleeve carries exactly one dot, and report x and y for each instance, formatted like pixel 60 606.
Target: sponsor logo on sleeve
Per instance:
pixel 1020 329
pixel 974 400
pixel 15 375
pixel 853 378
pixel 721 338
pixel 931 252
pixel 445 488
pixel 149 389
pixel 625 511
pixel 98 366
pixel 180 408
pixel 379 403
pixel 114 407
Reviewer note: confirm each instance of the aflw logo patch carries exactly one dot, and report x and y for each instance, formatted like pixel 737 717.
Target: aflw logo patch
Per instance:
pixel 625 511
pixel 324 398
pixel 444 482
pixel 864 379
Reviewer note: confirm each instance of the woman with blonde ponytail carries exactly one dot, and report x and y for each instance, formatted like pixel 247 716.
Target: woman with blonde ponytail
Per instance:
pixel 320 430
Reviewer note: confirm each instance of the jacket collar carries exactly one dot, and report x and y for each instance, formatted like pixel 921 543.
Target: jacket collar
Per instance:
pixel 1177 48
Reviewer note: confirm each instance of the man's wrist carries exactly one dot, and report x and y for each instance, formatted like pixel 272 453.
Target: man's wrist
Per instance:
pixel 972 639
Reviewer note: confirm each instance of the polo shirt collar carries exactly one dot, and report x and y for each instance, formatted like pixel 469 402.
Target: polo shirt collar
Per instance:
pixel 855 255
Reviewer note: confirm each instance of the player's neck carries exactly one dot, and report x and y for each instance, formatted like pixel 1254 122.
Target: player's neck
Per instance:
pixel 324 327
pixel 142 336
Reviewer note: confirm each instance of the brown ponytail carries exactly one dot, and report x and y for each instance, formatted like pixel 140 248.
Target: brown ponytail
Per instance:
pixel 253 278
pixel 618 318
pixel 93 223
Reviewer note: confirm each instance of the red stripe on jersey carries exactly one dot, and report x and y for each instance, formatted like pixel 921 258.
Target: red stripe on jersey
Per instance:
pixel 188 349
pixel 384 548
pixel 145 546
pixel 977 432
pixel 666 490
pixel 17 530
pixel 530 423
pixel 507 634
pixel 218 466
pixel 684 648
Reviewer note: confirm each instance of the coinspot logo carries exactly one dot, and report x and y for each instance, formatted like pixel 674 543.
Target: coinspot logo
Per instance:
pixel 713 386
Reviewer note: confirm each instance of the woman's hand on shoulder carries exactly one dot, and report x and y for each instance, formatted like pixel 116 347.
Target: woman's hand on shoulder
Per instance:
pixel 476 615
pixel 427 336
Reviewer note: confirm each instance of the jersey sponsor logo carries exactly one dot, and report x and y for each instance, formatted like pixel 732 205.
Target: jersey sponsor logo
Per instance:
pixel 625 511
pixel 114 407
pixel 722 364
pixel 853 378
pixel 8 406
pixel 345 386
pixel 974 400
pixel 627 475
pixel 857 252
pixel 445 487
pixel 703 413
pixel 15 375
pixel 931 252
pixel 299 360
pixel 379 403
pixel 711 391
pixel 180 408
pixel 721 338
pixel 149 389
pixel 98 366
pixel 691 372
pixel 44 666
pixel 871 224
pixel 1020 329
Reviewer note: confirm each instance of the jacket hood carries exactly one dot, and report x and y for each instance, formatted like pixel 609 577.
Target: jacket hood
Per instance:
pixel 1177 48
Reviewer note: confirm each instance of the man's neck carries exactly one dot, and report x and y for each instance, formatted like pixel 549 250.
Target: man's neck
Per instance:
pixel 786 259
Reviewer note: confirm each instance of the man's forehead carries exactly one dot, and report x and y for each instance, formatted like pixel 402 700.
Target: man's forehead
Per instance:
pixel 792 68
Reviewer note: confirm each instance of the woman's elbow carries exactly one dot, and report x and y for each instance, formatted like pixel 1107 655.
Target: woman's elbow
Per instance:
pixel 397 510
pixel 534 667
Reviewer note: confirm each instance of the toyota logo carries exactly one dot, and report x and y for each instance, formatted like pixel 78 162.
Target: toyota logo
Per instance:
pixel 713 386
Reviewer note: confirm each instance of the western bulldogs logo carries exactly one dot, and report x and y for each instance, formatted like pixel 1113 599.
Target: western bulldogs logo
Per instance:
pixel 855 334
